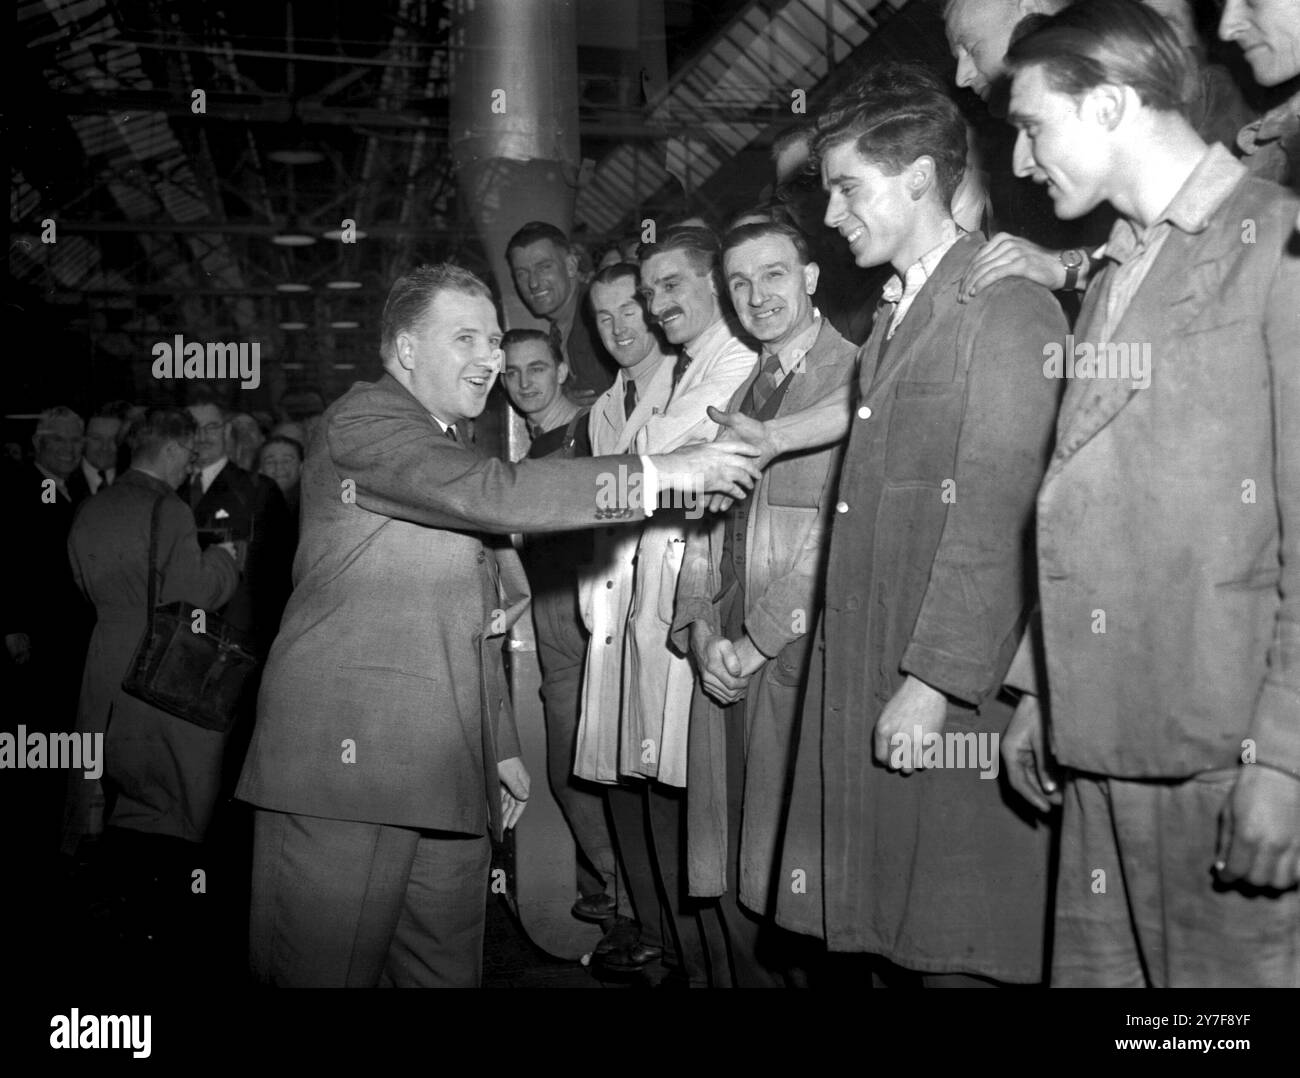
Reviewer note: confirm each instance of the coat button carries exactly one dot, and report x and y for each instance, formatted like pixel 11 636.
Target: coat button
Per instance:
pixel 609 640
pixel 864 412
pixel 841 507
pixel 481 557
pixel 609 583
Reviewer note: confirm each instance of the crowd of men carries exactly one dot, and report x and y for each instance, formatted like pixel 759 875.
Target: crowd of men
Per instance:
pixel 957 627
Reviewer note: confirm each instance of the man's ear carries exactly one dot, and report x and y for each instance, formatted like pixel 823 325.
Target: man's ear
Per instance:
pixel 562 372
pixel 920 176
pixel 404 349
pixel 1106 105
pixel 811 273
pixel 571 265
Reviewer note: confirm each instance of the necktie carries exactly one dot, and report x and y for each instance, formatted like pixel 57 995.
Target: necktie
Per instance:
pixel 103 478
pixel 629 398
pixel 451 433
pixel 679 368
pixel 557 340
pixel 766 382
pixel 196 489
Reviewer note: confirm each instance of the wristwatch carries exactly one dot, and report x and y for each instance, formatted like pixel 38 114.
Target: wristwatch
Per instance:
pixel 1072 259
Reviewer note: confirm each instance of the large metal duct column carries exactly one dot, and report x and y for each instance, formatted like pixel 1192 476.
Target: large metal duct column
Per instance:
pixel 514 137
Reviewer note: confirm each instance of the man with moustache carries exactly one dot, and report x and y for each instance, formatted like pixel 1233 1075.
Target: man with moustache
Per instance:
pixel 747 601
pixel 1268 32
pixel 1168 534
pixel 534 375
pixel 637 692
pixel 545 271
pixel 385 749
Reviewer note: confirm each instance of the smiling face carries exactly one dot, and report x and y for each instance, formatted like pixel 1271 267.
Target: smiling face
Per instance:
pixel 280 462
pixel 1268 32
pixel 979 32
pixel 545 276
pixel 683 301
pixel 531 377
pixel 872 211
pixel 621 321
pixel 101 441
pixel 58 446
pixel 771 291
pixel 1060 143
pixel 451 359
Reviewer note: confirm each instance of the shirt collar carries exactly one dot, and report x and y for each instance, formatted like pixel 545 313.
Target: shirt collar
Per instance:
pixel 1202 193
pixel 920 271
pixel 1270 127
pixel 210 472
pixel 709 341
pixel 797 348
pixel 91 472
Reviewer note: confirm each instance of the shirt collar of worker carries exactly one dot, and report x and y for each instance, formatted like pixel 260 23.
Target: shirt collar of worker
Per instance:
pixel 1191 209
pixel 796 349
pixel 914 277
pixel 708 343
pixel 92 474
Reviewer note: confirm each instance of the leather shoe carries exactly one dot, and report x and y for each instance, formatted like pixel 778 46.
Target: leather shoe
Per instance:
pixel 622 934
pixel 594 908
pixel 634 958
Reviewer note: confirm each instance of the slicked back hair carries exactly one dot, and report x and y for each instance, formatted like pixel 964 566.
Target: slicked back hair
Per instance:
pixel 897 117
pixel 523 336
pixel 619 271
pixel 158 427
pixel 410 296
pixel 759 229
pixel 699 244
pixel 1107 42
pixel 538 230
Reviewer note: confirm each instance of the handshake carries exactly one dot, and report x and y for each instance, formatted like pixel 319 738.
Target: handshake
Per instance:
pixel 724 469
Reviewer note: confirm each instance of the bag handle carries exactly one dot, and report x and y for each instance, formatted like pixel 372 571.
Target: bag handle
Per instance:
pixel 153 557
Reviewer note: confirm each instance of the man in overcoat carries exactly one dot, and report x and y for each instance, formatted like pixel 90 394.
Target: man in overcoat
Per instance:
pixel 1168 667
pixel 747 600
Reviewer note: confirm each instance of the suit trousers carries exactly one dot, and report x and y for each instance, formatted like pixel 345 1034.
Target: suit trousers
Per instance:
pixel 343 904
pixel 561 651
pixel 1137 905
pixel 649 824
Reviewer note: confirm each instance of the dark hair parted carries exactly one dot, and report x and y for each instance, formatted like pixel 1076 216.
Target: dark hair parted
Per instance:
pixel 409 298
pixel 893 115
pixel 534 231
pixel 1107 42
pixel 619 271
pixel 699 244
pixel 524 336
pixel 760 229
pixel 284 439
pixel 158 427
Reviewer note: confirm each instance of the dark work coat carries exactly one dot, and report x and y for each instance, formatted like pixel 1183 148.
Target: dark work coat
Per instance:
pixel 591 368
pixel 168 770
pixel 930 573
pixel 251 507
pixel 384 699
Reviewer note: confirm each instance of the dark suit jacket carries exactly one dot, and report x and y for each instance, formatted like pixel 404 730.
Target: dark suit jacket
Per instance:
pixel 392 638
pixel 591 368
pixel 40 597
pixel 251 505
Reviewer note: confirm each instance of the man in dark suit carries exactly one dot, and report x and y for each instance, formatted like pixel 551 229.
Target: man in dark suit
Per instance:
pixel 385 748
pixel 545 271
pixel 101 460
pixel 231 504
pixel 47 623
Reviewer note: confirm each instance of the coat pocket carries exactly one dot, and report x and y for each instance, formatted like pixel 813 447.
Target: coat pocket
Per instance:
pixel 924 426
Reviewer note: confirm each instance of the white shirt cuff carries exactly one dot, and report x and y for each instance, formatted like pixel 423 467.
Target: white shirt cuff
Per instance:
pixel 649 484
